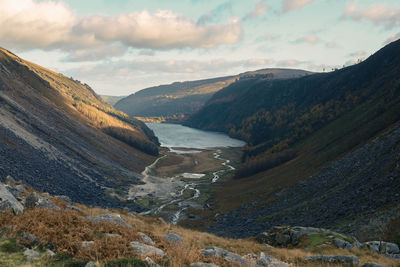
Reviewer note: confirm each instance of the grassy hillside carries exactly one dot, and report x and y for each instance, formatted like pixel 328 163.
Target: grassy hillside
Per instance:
pixel 74 142
pixel 111 100
pixel 174 102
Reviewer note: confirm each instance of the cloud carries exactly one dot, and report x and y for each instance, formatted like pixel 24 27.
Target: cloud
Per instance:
pixel 147 53
pixel 290 63
pixel 29 24
pixel 96 53
pixel 358 54
pixel 259 9
pixel 331 45
pixel 290 5
pixel 378 14
pixel 311 39
pixel 270 37
pixel 214 14
pixel 392 38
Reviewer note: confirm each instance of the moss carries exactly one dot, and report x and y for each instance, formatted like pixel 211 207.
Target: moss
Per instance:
pixel 10 246
pixel 316 239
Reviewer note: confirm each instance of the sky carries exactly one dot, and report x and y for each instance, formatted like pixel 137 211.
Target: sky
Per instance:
pixel 121 46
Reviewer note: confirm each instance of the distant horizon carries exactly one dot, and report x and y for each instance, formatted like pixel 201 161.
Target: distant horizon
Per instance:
pixel 123 46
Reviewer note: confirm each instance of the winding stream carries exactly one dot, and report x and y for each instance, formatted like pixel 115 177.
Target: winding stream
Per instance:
pixel 165 189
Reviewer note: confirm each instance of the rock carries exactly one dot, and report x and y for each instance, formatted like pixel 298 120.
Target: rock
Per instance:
pixel 29 239
pixel 70 207
pixel 110 218
pixel 374 264
pixel 202 264
pixel 65 198
pixel 151 262
pixel 35 200
pixel 335 259
pixel 174 238
pixel 31 254
pixel 9 180
pixel 284 236
pixel 50 253
pixel 145 238
pixel 87 244
pixel 227 255
pixel 91 264
pixel 340 243
pixel 113 235
pixel 146 250
pixel 267 260
pixel 16 190
pixel 383 247
pixel 162 220
pixel 8 201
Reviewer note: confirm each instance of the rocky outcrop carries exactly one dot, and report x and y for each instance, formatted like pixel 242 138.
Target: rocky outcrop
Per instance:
pixel 174 238
pixel 110 218
pixel 145 238
pixel 146 250
pixel 8 201
pixel 31 255
pixel 340 259
pixel 268 260
pixel 284 236
pixel 383 247
pixel 226 255
pixel 36 200
pixel 374 264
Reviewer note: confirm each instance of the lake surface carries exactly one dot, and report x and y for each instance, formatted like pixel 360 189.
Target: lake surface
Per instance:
pixel 176 135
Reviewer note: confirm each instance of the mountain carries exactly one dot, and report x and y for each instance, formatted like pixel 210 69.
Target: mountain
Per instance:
pixel 58 136
pixel 321 149
pixel 176 101
pixel 111 100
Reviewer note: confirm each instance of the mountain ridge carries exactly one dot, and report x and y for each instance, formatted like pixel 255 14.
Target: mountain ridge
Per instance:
pixel 59 136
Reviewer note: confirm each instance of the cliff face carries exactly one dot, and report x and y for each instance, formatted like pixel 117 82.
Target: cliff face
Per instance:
pixel 58 136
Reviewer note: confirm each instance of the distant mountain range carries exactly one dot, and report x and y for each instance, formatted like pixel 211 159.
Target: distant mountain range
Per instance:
pixel 111 100
pixel 58 136
pixel 176 101
pixel 323 150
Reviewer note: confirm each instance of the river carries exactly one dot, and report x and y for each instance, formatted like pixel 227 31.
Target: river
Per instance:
pixel 171 190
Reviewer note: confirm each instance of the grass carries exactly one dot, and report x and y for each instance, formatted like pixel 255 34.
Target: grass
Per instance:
pixel 67 229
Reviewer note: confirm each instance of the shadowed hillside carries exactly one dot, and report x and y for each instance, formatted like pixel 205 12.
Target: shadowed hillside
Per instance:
pixel 57 135
pixel 303 129
pixel 176 101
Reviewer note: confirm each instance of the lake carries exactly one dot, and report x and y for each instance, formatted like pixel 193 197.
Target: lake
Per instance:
pixel 176 135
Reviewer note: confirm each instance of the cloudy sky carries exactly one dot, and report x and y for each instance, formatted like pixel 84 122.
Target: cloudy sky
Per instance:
pixel 121 46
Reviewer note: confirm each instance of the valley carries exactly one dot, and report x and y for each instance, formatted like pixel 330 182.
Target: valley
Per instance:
pixel 189 167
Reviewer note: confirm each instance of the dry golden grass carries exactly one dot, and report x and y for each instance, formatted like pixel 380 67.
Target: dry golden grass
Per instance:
pixel 67 229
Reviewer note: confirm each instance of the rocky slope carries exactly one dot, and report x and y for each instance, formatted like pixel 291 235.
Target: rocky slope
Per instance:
pixel 58 136
pixel 176 101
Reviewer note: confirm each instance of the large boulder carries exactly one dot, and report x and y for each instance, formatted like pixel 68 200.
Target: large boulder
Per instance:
pixel 268 260
pixel 146 250
pixel 340 259
pixel 31 255
pixel 8 201
pixel 382 247
pixel 110 218
pixel 145 238
pixel 227 255
pixel 174 238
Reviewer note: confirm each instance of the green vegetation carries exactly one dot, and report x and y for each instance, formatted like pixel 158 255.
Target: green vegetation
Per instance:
pixel 10 246
pixel 316 239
